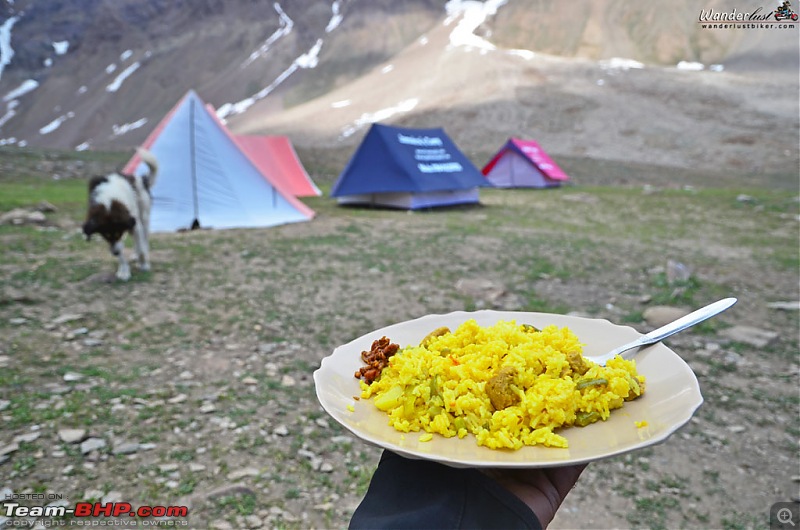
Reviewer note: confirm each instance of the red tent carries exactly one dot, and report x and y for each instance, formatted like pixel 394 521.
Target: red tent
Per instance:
pixel 523 164
pixel 275 156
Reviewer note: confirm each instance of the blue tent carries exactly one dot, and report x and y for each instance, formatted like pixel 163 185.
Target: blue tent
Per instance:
pixel 408 168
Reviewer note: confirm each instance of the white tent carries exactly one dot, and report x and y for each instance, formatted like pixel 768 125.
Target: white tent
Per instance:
pixel 207 180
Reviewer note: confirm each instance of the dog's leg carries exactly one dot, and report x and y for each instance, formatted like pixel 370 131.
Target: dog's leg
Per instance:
pixel 124 270
pixel 142 247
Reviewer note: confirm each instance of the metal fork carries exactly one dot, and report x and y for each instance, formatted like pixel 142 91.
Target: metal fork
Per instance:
pixel 657 335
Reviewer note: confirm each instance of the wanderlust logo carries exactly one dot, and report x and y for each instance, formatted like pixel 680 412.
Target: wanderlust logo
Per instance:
pixel 782 17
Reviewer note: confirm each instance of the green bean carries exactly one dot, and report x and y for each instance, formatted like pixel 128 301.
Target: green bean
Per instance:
pixel 591 382
pixel 583 418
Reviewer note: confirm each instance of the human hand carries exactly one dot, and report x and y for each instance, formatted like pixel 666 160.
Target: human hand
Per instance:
pixel 543 489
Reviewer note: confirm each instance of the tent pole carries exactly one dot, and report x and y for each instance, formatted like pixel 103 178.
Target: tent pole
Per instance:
pixel 193 164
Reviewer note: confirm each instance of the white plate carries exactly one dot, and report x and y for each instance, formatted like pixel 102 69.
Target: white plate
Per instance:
pixel 671 397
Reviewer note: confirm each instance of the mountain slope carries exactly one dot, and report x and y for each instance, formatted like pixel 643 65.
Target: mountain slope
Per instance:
pixel 616 110
pixel 321 71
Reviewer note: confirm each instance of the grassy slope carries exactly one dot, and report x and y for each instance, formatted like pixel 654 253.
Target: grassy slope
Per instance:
pixel 572 249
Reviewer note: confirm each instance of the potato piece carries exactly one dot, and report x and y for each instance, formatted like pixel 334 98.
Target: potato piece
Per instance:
pixel 499 390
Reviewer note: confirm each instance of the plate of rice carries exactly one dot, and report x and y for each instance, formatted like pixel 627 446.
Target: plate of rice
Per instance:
pixel 506 389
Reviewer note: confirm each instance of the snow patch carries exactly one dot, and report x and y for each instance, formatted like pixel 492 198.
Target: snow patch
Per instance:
pixel 388 68
pixel 119 130
pixel 380 115
pixel 423 40
pixel 56 123
pixel 340 104
pixel 6 52
pixel 47 62
pixel 83 89
pixel 690 65
pixel 618 63
pixel 61 47
pixel 10 112
pixel 525 54
pixel 114 86
pixel 8 141
pixel 336 18
pixel 111 68
pixel 307 60
pixel 472 14
pixel 24 88
pixel 82 147
pixel 310 59
pixel 286 27
pixel 124 56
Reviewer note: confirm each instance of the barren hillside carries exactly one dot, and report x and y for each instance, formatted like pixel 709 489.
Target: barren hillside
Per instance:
pixel 607 109
pixel 595 79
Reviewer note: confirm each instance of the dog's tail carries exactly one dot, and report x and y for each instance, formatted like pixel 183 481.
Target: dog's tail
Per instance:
pixel 152 164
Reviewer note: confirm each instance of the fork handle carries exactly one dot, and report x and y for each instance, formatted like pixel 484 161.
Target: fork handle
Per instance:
pixel 695 317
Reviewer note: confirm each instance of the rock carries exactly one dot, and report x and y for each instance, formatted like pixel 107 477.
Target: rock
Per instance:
pixel 21 216
pixel 288 381
pixel 281 430
pixel 72 376
pixel 785 306
pixel 253 521
pixel 207 408
pixel 760 338
pixel 66 317
pixel 242 473
pixel 168 468
pixel 19 321
pixel 250 381
pixel 660 315
pixel 92 444
pixel 112 496
pixel 125 448
pixel 8 449
pixel 72 436
pixel 27 437
pixel 196 468
pixel 45 207
pixel 180 398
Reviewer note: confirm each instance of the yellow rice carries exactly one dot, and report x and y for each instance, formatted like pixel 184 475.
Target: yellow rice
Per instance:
pixel 439 388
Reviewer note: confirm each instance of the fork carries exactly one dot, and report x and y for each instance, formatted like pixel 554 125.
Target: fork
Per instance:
pixel 657 335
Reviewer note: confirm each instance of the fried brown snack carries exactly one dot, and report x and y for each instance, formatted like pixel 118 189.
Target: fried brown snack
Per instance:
pixel 377 358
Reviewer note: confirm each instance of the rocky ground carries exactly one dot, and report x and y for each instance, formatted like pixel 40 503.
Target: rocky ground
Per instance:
pixel 192 385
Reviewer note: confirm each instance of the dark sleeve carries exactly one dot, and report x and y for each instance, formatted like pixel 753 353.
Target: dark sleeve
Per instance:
pixel 420 494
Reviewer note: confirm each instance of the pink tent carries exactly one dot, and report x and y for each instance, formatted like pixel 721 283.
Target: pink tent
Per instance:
pixel 523 164
pixel 275 156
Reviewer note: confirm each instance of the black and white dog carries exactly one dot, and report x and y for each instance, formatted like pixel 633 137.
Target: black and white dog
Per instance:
pixel 120 203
